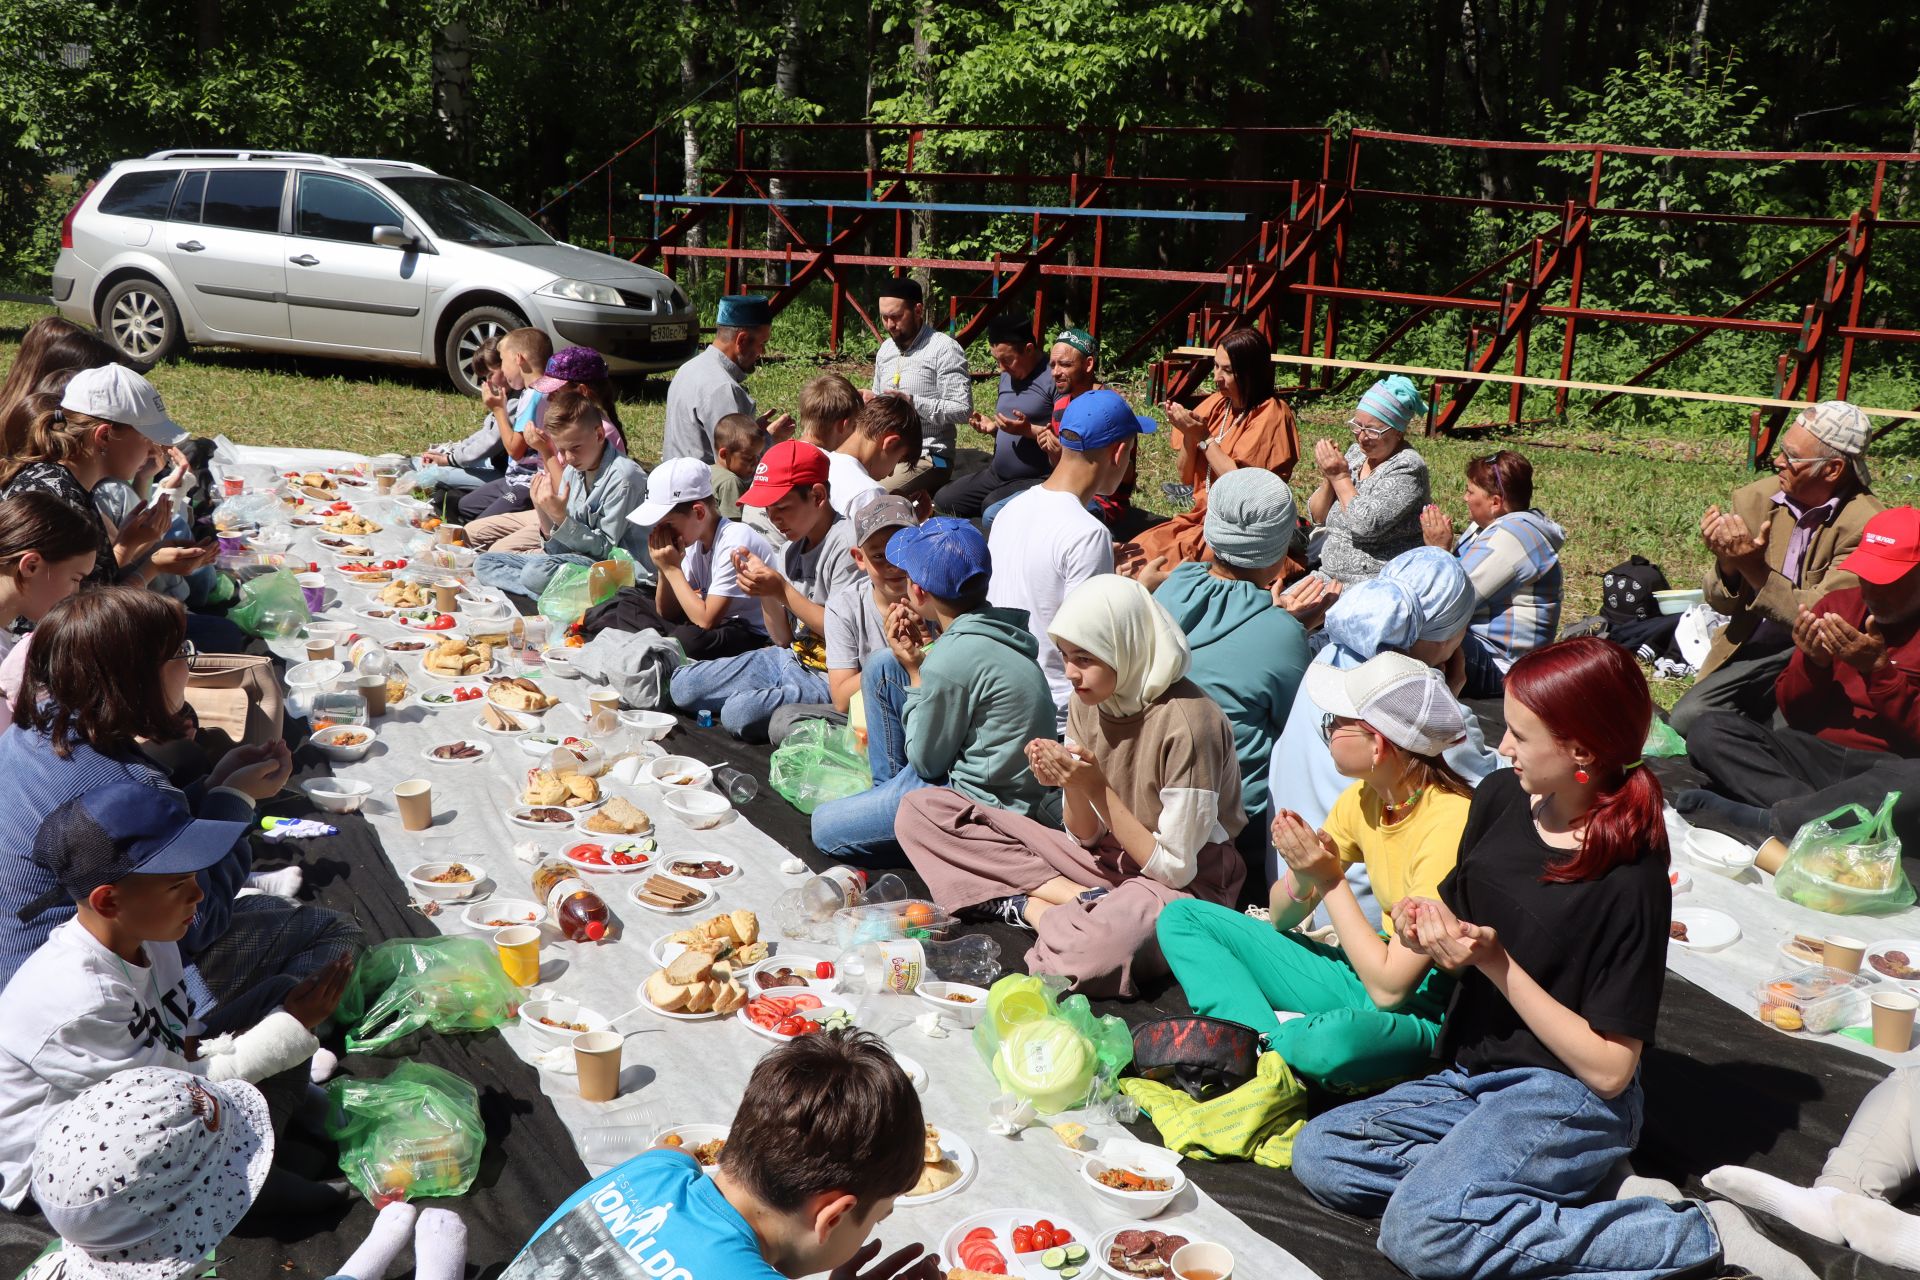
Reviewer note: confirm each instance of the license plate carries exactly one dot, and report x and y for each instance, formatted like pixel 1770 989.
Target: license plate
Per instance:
pixel 669 333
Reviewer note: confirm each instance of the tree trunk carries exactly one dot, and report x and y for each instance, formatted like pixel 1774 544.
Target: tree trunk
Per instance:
pixel 206 27
pixel 786 84
pixel 1695 48
pixel 691 184
pixel 923 220
pixel 1550 68
pixel 452 89
pixel 871 139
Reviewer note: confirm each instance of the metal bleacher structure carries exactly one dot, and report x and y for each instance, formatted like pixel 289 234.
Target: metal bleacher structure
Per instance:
pixel 1281 260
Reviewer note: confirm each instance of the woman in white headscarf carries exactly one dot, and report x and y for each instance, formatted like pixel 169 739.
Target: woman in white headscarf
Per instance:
pixel 1152 803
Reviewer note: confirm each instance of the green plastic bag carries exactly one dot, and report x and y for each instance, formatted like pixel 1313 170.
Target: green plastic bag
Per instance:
pixel 271 605
pixel 415 1133
pixel 449 984
pixel 576 588
pixel 818 762
pixel 1053 1052
pixel 1847 864
pixel 1661 741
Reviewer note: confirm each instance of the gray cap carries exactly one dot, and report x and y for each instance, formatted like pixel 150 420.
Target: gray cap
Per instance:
pixel 881 511
pixel 1844 429
pixel 1250 518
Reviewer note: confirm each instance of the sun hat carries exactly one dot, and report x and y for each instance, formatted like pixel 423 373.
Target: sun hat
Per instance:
pixel 673 482
pixel 126 828
pixel 1402 697
pixel 1844 429
pixel 944 557
pixel 1250 519
pixel 571 364
pixel 137 1183
pixel 1100 418
pixel 115 393
pixel 1889 547
pixel 788 465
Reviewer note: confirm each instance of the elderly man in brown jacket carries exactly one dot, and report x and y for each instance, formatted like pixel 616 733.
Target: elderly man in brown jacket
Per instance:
pixel 1776 551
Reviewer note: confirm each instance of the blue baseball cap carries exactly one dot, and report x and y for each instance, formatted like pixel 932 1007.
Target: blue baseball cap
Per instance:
pixel 944 557
pixel 127 828
pixel 1096 419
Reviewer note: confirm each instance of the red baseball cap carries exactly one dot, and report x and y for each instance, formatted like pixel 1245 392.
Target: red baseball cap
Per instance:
pixel 1889 548
pixel 789 464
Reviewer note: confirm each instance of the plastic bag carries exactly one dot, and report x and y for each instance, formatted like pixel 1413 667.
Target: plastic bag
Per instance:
pixel 1662 741
pixel 1051 1051
pixel 449 984
pixel 416 1133
pixel 1847 863
pixel 576 588
pixel 818 762
pixel 271 605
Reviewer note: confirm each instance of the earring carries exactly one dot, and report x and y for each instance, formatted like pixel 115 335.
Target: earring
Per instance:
pixel 1581 776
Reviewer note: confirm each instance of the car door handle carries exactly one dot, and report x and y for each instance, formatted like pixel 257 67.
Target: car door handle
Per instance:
pixel 191 246
pixel 305 260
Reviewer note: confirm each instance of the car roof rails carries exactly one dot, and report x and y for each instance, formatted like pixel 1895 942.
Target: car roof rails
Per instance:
pixel 384 163
pixel 220 154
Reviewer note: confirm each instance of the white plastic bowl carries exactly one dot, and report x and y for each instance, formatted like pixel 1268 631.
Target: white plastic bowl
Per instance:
pixel 1142 1204
pixel 1722 855
pixel 698 809
pixel 328 740
pixel 311 678
pixel 421 878
pixel 962 1015
pixel 658 772
pixel 563 1010
pixel 554 659
pixel 650 725
pixel 1678 601
pixel 337 795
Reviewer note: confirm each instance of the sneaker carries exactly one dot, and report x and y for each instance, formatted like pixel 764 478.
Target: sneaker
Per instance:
pixel 1011 910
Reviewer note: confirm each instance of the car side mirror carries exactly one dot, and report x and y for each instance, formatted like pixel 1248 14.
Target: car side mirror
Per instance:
pixel 394 238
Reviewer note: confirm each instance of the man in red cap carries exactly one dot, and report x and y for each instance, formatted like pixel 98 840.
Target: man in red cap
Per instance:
pixel 791 485
pixel 1850 697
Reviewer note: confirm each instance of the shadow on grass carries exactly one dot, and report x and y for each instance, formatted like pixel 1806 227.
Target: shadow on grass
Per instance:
pixel 631 388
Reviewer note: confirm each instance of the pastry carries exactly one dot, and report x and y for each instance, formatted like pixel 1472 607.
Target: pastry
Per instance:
pixel 407 595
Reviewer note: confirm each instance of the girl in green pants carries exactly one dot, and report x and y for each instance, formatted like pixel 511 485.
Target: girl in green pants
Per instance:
pixel 1371 1008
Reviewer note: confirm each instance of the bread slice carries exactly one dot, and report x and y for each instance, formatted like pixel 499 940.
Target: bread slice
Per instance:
pixel 731 997
pixel 689 967
pixel 701 995
pixel 665 995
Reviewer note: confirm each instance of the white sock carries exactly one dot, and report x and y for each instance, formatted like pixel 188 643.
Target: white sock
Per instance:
pixel 325 1063
pixel 284 883
pixel 1879 1230
pixel 439 1246
pixel 1807 1208
pixel 1742 1245
pixel 1633 1187
pixel 391 1231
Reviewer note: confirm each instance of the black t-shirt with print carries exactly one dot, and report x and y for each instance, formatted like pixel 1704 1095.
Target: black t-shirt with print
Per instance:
pixel 1599 947
pixel 51 477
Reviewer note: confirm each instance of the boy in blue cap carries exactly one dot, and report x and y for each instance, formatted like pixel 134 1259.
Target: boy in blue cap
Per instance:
pixel 107 991
pixel 1045 542
pixel 958 713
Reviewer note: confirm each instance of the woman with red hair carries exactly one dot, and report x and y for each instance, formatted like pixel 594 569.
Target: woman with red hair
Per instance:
pixel 1555 919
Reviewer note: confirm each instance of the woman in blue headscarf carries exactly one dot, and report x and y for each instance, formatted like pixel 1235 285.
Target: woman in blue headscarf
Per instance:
pixel 1420 605
pixel 1370 498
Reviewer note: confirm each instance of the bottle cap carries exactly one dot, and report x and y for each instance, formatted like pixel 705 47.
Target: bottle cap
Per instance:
pixel 595 931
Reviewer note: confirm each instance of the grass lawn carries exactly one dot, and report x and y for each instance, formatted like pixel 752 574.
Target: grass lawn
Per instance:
pixel 1617 491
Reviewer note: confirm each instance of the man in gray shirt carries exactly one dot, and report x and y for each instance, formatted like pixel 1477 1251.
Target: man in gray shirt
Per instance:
pixel 708 387
pixel 929 368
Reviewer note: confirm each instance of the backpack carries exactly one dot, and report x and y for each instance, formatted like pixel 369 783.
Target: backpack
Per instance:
pixel 1627 591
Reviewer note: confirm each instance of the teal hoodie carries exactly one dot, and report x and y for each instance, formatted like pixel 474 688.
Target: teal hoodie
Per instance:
pixel 1248 653
pixel 982 699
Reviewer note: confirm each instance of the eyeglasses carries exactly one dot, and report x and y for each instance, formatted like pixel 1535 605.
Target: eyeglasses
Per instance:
pixel 1781 458
pixel 186 653
pixel 1366 433
pixel 1332 724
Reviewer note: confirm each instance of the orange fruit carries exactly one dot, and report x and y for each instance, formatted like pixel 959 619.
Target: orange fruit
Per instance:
pixel 919 914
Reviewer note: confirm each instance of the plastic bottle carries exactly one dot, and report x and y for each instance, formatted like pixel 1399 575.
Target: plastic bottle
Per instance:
pixel 576 909
pixel 808 911
pixel 611 1144
pixel 900 965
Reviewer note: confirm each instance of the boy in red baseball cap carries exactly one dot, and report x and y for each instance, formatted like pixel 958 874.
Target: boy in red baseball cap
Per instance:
pixel 791 485
pixel 1851 699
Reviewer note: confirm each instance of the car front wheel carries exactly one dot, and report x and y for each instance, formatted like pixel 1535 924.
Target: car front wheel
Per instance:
pixel 466 336
pixel 138 317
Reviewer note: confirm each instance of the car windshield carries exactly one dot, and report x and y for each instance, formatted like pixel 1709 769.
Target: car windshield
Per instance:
pixel 455 211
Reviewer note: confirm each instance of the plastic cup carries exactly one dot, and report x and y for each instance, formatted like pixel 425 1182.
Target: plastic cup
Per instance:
pixel 1893 1020
pixel 1202 1262
pixel 519 947
pixel 1838 952
pixel 313 587
pixel 374 690
pixel 414 799
pixel 383 483
pixel 738 787
pixel 320 650
pixel 597 1055
pixel 233 486
pixel 451 535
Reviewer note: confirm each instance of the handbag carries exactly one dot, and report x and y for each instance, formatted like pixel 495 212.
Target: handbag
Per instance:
pixel 239 694
pixel 1204 1057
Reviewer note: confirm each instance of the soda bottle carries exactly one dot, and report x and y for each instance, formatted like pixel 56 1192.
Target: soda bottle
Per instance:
pixel 899 965
pixel 807 911
pixel 576 909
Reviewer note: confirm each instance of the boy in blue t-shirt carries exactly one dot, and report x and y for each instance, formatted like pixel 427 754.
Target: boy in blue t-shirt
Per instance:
pixel 828 1134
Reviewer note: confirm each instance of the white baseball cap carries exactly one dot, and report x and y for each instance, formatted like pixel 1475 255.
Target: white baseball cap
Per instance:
pixel 145 1173
pixel 1401 697
pixel 1843 428
pixel 673 482
pixel 116 393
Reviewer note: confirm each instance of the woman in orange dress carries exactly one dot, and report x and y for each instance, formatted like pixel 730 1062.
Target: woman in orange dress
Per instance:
pixel 1240 425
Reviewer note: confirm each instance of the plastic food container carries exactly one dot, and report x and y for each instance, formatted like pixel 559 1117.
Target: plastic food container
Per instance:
pixel 1825 999
pixel 881 921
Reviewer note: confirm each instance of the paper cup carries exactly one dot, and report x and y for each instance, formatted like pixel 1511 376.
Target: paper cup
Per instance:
pixel 320 650
pixel 383 483
pixel 519 947
pixel 604 700
pixel 374 690
pixel 446 597
pixel 451 535
pixel 1838 952
pixel 414 799
pixel 597 1055
pixel 313 587
pixel 1893 1020
pixel 1202 1262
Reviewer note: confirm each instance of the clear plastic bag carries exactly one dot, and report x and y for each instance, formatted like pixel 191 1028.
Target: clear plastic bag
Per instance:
pixel 449 984
pixel 1049 1050
pixel 819 762
pixel 1847 863
pixel 415 1133
pixel 272 606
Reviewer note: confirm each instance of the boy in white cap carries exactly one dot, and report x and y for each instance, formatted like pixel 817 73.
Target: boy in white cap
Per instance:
pixel 1777 549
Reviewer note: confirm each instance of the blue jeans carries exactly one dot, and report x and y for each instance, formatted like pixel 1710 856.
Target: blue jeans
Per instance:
pixel 1487 1176
pixel 859 828
pixel 525 575
pixel 1485 679
pixel 453 477
pixel 746 690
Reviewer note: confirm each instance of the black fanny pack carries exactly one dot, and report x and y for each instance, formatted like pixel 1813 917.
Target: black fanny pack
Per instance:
pixel 1205 1057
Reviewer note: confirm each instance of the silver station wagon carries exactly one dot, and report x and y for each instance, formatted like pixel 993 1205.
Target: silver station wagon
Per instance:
pixel 350 258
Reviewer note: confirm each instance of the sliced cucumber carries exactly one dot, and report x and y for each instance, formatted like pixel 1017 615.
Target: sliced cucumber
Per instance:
pixel 1069 1273
pixel 1076 1254
pixel 1054 1259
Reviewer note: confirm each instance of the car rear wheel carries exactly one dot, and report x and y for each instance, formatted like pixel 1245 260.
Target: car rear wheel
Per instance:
pixel 138 317
pixel 466 335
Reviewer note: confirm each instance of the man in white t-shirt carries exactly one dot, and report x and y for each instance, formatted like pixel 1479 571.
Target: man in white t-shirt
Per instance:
pixel 1045 542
